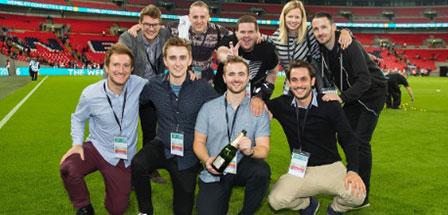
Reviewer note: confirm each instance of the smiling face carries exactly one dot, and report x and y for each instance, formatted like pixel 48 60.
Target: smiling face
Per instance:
pixel 119 69
pixel 199 17
pixel 236 77
pixel 300 83
pixel 293 20
pixel 150 27
pixel 324 31
pixel 177 59
pixel 247 35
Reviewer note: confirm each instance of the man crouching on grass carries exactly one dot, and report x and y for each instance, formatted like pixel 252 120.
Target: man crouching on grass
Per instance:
pixel 111 107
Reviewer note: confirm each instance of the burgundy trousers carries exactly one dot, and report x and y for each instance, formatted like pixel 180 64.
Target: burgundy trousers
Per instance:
pixel 117 179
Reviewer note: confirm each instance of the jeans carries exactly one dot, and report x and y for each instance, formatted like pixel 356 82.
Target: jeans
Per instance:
pixel 363 123
pixel 254 174
pixel 146 161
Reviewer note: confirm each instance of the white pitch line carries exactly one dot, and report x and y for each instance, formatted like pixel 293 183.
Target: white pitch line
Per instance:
pixel 13 111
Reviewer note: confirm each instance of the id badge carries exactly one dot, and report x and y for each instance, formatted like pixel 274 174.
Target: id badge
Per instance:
pixel 299 162
pixel 197 71
pixel 248 90
pixel 121 147
pixel 326 90
pixel 177 144
pixel 231 168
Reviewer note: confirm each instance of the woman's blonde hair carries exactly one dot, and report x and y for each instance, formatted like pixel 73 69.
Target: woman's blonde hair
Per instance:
pixel 302 31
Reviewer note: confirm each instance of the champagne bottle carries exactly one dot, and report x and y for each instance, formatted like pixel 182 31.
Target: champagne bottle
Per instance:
pixel 227 153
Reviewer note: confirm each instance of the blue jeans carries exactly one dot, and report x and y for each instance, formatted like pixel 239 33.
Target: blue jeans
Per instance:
pixel 363 123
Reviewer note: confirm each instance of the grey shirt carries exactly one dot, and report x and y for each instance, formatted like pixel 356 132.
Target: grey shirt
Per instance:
pixel 212 122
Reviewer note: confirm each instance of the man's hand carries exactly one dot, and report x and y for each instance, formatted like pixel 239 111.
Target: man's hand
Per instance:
pixel 208 166
pixel 193 76
pixel 259 38
pixel 76 149
pixel 358 186
pixel 331 97
pixel 245 146
pixel 345 39
pixel 412 100
pixel 256 106
pixel 134 29
pixel 233 50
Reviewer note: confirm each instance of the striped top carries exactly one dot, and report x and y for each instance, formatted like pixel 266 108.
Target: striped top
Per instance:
pixel 295 51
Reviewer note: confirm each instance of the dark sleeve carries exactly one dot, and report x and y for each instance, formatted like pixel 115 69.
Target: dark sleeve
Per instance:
pixel 223 31
pixel 208 93
pixel 272 106
pixel 125 39
pixel 346 136
pixel 402 80
pixel 218 81
pixel 145 95
pixel 358 64
pixel 272 56
pixel 225 41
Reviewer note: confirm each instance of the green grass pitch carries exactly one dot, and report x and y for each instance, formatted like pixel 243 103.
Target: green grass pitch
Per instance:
pixel 410 162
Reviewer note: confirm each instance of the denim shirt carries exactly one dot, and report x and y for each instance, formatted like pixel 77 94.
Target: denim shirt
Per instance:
pixel 94 107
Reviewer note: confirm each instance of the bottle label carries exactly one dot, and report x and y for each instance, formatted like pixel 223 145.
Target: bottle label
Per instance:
pixel 299 162
pixel 231 168
pixel 218 162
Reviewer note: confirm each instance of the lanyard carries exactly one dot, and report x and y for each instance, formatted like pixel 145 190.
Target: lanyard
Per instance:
pixel 229 132
pixel 122 112
pixel 153 66
pixel 299 133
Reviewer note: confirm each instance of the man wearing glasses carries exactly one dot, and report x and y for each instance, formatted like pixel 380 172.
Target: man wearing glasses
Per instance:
pixel 147 49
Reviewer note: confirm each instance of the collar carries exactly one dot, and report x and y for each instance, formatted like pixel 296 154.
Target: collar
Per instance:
pixel 155 41
pixel 245 101
pixel 166 80
pixel 313 101
pixel 110 93
pixel 196 34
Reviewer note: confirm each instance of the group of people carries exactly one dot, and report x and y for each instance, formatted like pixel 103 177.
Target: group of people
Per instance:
pixel 186 122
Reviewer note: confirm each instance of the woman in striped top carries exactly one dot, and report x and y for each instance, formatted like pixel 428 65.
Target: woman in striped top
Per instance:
pixel 294 39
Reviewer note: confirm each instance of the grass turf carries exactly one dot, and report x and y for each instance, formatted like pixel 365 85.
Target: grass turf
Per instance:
pixel 409 174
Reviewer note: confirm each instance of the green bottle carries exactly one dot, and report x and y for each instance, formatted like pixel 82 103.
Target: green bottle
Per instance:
pixel 227 153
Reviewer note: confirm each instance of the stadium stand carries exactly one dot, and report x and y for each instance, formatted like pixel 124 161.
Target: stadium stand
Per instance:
pixel 108 6
pixel 56 2
pixel 87 39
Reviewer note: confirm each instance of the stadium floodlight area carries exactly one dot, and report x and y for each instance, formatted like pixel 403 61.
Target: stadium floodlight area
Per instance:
pixel 212 19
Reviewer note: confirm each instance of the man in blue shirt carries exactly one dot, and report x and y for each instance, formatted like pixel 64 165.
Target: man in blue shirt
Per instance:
pixel 111 107
pixel 177 100
pixel 218 122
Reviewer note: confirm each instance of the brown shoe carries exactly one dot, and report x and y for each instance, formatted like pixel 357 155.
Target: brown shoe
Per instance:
pixel 157 178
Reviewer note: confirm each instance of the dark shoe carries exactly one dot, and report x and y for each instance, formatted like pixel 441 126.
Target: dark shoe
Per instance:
pixel 365 204
pixel 330 211
pixel 88 210
pixel 312 208
pixel 157 178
